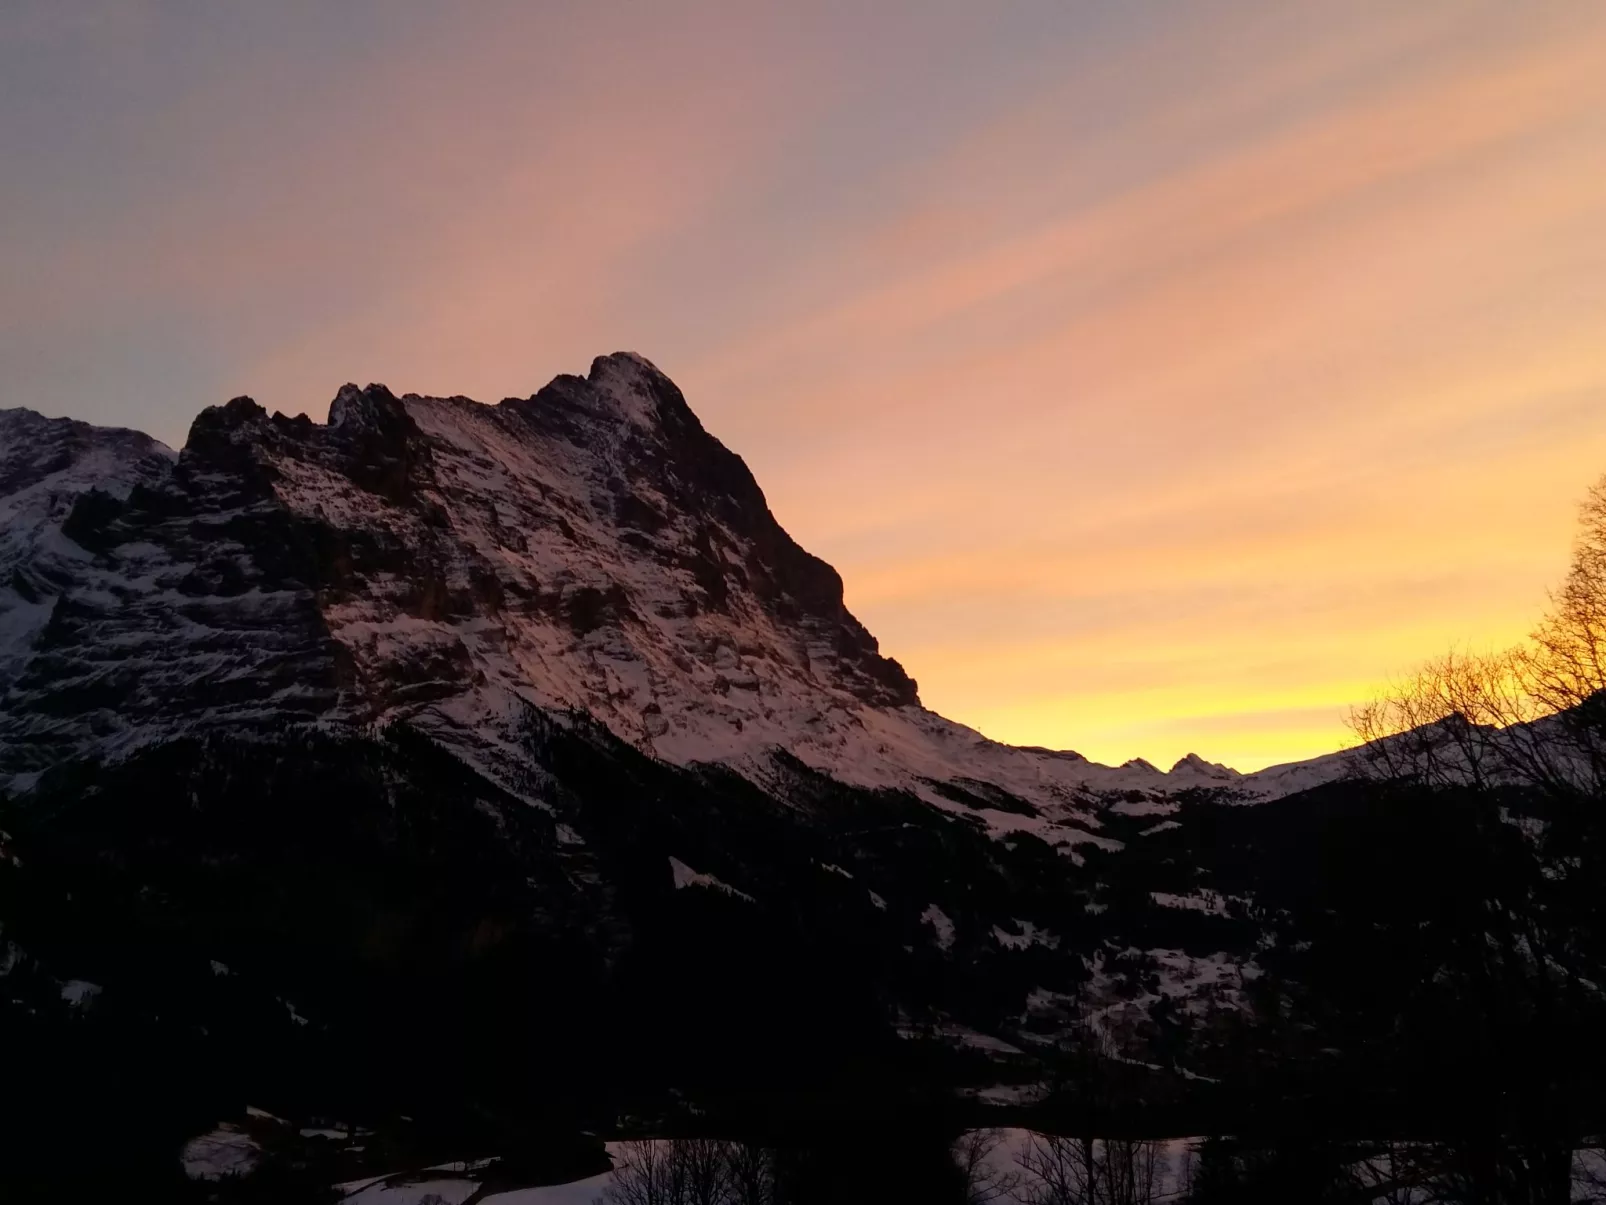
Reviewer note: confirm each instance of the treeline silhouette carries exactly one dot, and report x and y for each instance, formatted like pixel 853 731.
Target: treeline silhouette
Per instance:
pixel 999 1167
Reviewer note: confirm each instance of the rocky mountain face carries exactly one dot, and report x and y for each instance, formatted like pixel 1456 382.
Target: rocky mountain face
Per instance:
pixel 46 466
pixel 448 563
pixel 509 728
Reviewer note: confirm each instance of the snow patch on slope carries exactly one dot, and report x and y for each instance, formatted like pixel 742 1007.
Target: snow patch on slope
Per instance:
pixel 941 926
pixel 685 876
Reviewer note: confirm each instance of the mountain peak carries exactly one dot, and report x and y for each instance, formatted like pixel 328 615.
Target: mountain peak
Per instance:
pixel 373 407
pixel 641 394
pixel 60 455
pixel 624 395
pixel 1192 763
pixel 625 364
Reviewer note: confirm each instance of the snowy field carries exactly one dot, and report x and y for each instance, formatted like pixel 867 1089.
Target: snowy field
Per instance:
pixel 1006 1167
pixel 448 1189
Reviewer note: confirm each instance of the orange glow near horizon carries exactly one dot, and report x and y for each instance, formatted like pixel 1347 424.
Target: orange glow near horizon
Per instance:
pixel 1160 380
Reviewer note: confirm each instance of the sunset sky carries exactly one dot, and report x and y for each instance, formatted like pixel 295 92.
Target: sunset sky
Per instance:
pixel 1160 376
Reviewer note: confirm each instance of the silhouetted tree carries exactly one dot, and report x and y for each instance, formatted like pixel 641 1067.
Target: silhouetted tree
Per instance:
pixel 750 1174
pixel 1089 1171
pixel 1283 1171
pixel 979 1154
pixel 1531 716
pixel 1517 739
pixel 690 1171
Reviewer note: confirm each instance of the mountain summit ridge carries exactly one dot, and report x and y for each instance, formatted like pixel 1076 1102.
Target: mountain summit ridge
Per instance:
pixel 450 563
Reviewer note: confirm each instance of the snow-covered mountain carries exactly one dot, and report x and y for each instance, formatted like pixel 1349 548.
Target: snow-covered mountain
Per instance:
pixel 46 465
pixel 465 764
pixel 447 563
pixel 529 722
